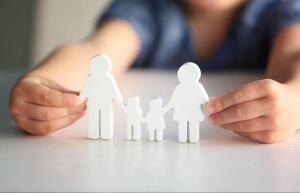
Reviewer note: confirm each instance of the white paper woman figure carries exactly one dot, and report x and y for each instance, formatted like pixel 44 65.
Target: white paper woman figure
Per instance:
pixel 101 89
pixel 134 118
pixel 187 99
pixel 155 120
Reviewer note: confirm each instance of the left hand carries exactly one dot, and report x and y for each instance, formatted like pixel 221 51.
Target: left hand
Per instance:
pixel 265 111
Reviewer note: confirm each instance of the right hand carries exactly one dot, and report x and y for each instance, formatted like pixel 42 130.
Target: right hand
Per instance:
pixel 41 106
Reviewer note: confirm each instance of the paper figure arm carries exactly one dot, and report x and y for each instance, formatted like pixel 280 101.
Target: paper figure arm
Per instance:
pixel 141 113
pixel 116 94
pixel 204 94
pixel 123 106
pixel 145 118
pixel 204 97
pixel 167 108
pixel 85 90
pixel 171 103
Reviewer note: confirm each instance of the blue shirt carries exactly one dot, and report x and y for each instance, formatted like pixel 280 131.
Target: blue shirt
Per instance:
pixel 167 41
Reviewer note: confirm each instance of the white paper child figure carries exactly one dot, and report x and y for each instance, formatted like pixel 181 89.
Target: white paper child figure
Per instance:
pixel 155 119
pixel 101 90
pixel 187 99
pixel 134 118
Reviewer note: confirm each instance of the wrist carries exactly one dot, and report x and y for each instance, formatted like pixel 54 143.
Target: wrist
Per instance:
pixel 294 86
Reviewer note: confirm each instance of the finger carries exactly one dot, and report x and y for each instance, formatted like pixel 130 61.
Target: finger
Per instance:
pixel 43 113
pixel 45 127
pixel 55 86
pixel 261 136
pixel 42 95
pixel 248 126
pixel 240 112
pixel 270 137
pixel 243 94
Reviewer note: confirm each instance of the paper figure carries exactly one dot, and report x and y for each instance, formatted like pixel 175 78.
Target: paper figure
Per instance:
pixel 101 90
pixel 187 99
pixel 134 118
pixel 155 120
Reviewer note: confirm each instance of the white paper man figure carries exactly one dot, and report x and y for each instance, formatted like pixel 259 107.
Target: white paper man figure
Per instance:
pixel 134 118
pixel 187 99
pixel 155 119
pixel 101 89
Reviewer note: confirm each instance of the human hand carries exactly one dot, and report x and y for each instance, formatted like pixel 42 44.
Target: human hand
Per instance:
pixel 265 111
pixel 41 106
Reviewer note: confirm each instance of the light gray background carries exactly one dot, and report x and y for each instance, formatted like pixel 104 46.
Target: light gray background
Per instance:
pixel 32 29
pixel 15 35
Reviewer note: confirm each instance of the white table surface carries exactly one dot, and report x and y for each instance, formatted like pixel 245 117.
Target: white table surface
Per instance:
pixel 221 161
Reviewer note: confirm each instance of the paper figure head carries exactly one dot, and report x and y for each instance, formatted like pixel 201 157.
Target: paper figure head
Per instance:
pixel 189 73
pixel 100 65
pixel 156 103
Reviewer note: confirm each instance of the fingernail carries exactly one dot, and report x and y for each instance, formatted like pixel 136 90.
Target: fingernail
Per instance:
pixel 81 108
pixel 211 120
pixel 210 107
pixel 76 102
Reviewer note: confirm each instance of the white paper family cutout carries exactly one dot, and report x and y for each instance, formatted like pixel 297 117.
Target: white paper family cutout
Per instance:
pixel 101 89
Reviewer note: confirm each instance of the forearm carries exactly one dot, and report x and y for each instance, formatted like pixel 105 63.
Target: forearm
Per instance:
pixel 294 82
pixel 287 72
pixel 286 69
pixel 284 63
pixel 69 64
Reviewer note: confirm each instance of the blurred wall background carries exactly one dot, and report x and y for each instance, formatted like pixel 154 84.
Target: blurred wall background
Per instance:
pixel 15 32
pixel 31 29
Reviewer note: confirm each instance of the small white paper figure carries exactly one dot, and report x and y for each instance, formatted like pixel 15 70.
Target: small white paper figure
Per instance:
pixel 155 119
pixel 187 99
pixel 134 118
pixel 101 90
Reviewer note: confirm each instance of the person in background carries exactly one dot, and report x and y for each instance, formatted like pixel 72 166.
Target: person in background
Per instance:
pixel 215 34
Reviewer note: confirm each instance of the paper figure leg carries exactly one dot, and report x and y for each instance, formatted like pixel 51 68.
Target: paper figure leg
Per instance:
pixel 106 122
pixel 194 132
pixel 93 122
pixel 159 135
pixel 129 131
pixel 182 131
pixel 151 135
pixel 137 131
